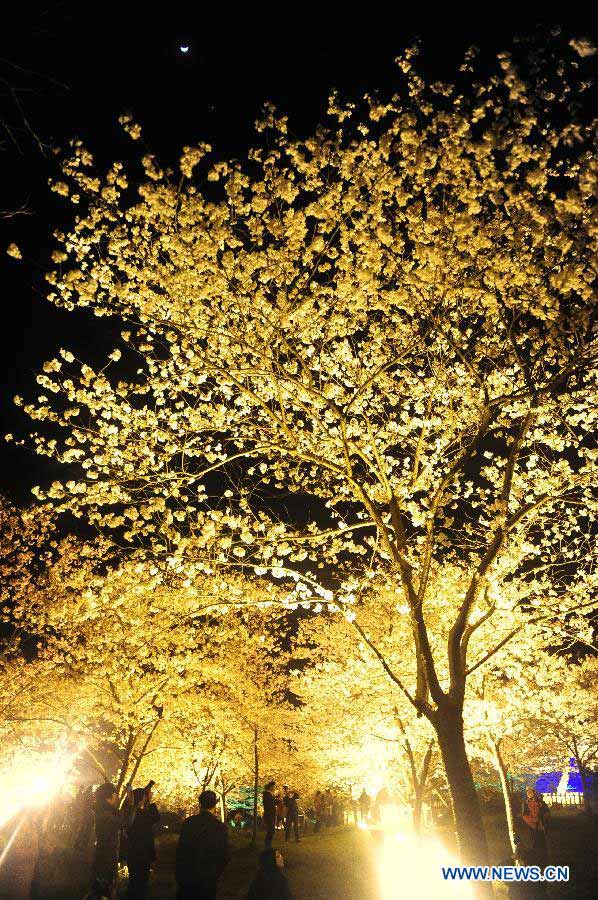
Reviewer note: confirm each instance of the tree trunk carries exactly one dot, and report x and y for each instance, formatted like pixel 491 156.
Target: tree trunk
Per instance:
pixel 504 783
pixel 587 806
pixel 222 808
pixel 471 837
pixel 417 811
pixel 256 779
pixel 419 788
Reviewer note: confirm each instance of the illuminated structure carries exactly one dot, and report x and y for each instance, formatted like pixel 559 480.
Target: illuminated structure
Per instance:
pixel 564 787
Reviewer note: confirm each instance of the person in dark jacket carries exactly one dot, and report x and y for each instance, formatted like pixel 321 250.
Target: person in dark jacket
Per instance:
pixel 141 849
pixel 535 814
pixel 364 805
pixel 292 816
pixel 269 805
pixel 270 882
pixel 109 821
pixel 202 852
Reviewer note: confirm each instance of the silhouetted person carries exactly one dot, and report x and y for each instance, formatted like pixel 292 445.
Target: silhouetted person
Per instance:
pixel 202 852
pixel 364 805
pixel 535 814
pixel 269 805
pixel 109 821
pixel 292 816
pixel 280 809
pixel 270 883
pixel 141 851
pixel 318 810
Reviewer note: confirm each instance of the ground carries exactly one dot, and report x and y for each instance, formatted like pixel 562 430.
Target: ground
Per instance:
pixel 338 864
pixel 321 867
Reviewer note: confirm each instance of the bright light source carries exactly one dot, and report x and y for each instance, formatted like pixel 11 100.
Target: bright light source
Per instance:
pixel 33 782
pixel 41 786
pixel 184 48
pixel 415 865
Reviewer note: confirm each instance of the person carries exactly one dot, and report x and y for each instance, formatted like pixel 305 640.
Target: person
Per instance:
pixel 270 882
pixel 318 810
pixel 292 816
pixel 269 805
pixel 109 821
pixel 82 819
pixel 202 852
pixel 141 846
pixel 535 814
pixel 381 802
pixel 328 807
pixel 334 809
pixel 364 805
pixel 280 810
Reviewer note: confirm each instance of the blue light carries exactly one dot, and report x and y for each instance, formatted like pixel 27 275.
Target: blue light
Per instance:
pixel 549 782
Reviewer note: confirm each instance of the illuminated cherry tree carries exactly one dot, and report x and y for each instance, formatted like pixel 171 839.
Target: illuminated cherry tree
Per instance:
pixel 391 321
pixel 500 732
pixel 561 700
pixel 128 664
pixel 369 735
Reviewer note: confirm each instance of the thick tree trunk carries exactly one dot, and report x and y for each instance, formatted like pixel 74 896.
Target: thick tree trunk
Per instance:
pixel 471 837
pixel 504 783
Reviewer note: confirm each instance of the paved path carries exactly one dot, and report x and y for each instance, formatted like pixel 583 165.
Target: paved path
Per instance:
pixel 333 865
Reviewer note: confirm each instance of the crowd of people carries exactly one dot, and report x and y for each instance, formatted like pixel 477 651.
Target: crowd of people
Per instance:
pixel 126 830
pixel 202 853
pixel 281 810
pixel 203 848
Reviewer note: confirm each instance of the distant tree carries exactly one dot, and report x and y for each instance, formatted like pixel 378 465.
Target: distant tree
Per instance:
pixel 129 665
pixel 356 725
pixel 562 702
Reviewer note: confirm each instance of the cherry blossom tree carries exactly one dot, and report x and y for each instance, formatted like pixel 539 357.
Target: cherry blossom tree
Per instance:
pixel 561 697
pixel 130 664
pixel 391 321
pixel 357 726
pixel 500 732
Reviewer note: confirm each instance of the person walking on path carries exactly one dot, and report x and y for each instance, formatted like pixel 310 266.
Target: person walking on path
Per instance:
pixel 292 816
pixel 270 883
pixel 280 810
pixel 202 852
pixel 109 821
pixel 364 805
pixel 535 814
pixel 141 849
pixel 318 810
pixel 269 806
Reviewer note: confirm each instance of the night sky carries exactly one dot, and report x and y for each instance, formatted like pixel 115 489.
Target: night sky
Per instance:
pixel 66 73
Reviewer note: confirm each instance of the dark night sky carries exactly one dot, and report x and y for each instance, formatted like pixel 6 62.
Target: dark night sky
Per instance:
pixel 75 72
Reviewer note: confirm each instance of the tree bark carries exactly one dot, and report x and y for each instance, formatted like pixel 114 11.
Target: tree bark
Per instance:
pixel 471 837
pixel 587 805
pixel 256 779
pixel 420 787
pixel 504 783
